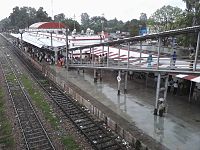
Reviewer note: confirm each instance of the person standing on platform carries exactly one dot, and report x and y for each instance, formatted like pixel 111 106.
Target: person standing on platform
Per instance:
pixel 191 57
pixel 175 87
pixel 161 107
pixel 174 56
pixel 149 60
pixel 169 86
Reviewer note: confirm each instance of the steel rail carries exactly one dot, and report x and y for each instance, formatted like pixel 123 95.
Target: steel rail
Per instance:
pixel 34 134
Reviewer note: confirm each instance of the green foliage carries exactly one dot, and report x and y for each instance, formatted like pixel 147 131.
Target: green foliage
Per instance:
pixel 40 101
pixel 23 17
pixel 85 21
pixel 6 137
pixel 165 18
pixel 69 143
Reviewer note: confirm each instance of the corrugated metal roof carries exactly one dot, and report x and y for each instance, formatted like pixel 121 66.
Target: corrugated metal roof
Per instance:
pixel 47 25
pixel 36 25
pixel 39 41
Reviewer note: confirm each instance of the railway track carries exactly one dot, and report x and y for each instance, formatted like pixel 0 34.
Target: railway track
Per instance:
pixel 99 137
pixel 34 134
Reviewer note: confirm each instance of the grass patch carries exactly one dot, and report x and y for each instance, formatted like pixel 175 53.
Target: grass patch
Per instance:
pixel 40 101
pixel 69 143
pixel 6 138
pixel 11 77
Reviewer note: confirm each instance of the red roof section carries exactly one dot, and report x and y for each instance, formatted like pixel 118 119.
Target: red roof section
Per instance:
pixel 47 25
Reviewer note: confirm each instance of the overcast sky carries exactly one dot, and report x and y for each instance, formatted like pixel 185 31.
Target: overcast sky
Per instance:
pixel 121 9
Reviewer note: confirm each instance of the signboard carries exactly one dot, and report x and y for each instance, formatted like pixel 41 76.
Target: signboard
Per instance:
pixel 118 78
pixel 143 31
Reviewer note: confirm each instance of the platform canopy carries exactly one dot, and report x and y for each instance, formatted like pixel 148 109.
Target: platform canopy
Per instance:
pixel 47 25
pixel 39 41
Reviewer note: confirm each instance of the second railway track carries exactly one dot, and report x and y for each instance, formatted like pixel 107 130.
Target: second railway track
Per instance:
pixel 34 134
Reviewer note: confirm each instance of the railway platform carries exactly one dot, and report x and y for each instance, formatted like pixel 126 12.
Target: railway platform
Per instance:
pixel 179 129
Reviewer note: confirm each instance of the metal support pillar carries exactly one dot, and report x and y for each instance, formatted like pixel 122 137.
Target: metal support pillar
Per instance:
pixel 190 92
pixel 147 78
pixel 95 75
pixel 196 54
pixel 128 54
pixel 119 56
pixel 101 75
pixel 102 50
pixel 108 57
pixel 72 56
pixel 56 56
pixel 159 47
pixel 125 80
pixel 67 52
pixel 119 80
pixel 93 56
pixel 81 58
pixel 90 57
pixel 161 92
pixel 166 86
pixel 140 51
pixel 102 55
pixel 157 94
pixel 51 39
pixel 21 42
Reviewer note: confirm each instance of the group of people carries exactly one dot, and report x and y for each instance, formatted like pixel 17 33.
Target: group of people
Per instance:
pixel 174 85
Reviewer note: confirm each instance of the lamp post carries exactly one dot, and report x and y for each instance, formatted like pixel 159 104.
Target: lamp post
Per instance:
pixel 21 31
pixel 102 27
pixel 67 46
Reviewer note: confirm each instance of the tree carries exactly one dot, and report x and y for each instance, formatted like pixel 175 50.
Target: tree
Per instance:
pixel 85 21
pixel 114 25
pixel 25 16
pixel 193 8
pixel 69 22
pixel 165 17
pixel 97 23
pixel 42 16
pixel 4 24
pixel 132 27
pixel 59 17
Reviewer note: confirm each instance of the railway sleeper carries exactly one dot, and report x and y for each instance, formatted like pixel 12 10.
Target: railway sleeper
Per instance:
pixel 82 120
pixel 58 94
pixel 95 128
pixel 85 123
pixel 65 104
pixel 33 130
pixel 73 108
pixel 41 146
pixel 108 145
pixel 82 126
pixel 93 133
pixel 60 98
pixel 78 116
pixel 74 112
pixel 114 147
pixel 34 133
pixel 37 137
pixel 39 142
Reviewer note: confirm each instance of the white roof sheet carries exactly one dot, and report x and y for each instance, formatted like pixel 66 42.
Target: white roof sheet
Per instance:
pixel 36 25
pixel 197 79
pixel 39 41
pixel 181 75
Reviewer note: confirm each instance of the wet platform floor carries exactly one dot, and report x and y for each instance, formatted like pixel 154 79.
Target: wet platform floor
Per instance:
pixel 178 130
